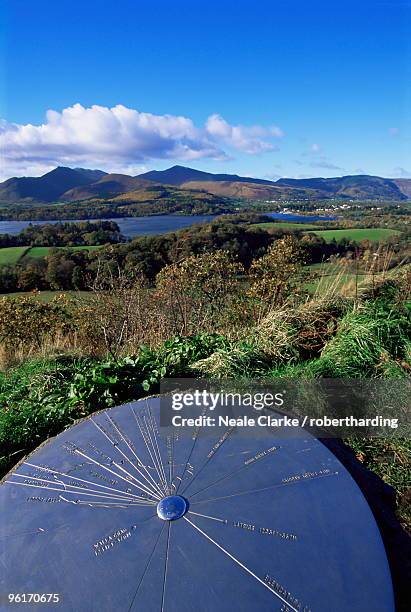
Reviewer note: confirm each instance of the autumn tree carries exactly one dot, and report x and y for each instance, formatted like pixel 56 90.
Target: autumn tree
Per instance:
pixel 277 274
pixel 197 292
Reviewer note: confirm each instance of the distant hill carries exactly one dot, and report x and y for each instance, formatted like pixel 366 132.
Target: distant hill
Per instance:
pixel 107 186
pixel 178 175
pixel 357 186
pixel 404 185
pixel 70 185
pixel 47 188
pixel 234 186
pixel 248 191
pixel 93 175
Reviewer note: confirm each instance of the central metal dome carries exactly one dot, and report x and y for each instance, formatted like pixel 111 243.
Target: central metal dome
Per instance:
pixel 172 507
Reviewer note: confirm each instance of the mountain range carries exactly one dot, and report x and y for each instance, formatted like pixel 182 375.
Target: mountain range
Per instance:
pixel 70 185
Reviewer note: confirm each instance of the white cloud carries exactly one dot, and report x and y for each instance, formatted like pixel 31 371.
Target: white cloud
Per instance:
pixel 121 138
pixel 324 163
pixel 400 172
pixel 251 139
pixel 315 148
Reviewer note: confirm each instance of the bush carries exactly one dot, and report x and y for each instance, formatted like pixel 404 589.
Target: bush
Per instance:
pixel 368 339
pixel 26 324
pixel 41 398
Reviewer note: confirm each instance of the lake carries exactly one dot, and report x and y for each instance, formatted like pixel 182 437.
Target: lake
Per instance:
pixel 129 226
pixel 158 224
pixel 299 218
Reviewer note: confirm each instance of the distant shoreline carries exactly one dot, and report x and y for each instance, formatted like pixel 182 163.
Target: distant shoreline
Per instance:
pixel 152 224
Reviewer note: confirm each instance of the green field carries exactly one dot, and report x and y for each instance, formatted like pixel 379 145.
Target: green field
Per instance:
pixel 43 251
pixel 11 255
pixel 285 225
pixel 374 234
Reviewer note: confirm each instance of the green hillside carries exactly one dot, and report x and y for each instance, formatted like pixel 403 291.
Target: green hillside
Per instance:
pixel 11 255
pixel 374 234
pixel 43 251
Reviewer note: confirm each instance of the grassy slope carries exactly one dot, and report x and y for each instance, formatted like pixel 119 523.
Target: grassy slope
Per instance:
pixel 376 234
pixel 43 251
pixel 11 255
pixel 328 276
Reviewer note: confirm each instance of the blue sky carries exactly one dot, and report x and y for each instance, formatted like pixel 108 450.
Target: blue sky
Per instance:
pixel 269 88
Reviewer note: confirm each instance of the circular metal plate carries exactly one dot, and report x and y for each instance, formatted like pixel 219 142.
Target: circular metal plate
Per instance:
pixel 274 523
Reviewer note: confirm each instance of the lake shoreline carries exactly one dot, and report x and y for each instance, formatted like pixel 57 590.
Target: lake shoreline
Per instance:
pixel 132 227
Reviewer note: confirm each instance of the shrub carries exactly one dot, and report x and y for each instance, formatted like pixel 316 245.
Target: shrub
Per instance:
pixel 41 398
pixel 25 323
pixel 368 339
pixel 198 292
pixel 277 274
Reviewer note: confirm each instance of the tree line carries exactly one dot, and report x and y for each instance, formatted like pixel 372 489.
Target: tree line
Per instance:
pixel 148 255
pixel 85 233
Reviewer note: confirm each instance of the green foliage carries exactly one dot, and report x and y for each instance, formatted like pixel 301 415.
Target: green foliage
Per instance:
pixel 41 398
pixel 24 322
pixel 391 461
pixel 44 251
pixel 368 341
pixel 35 405
pixel 64 234
pixel 198 291
pixel 157 200
pixel 276 274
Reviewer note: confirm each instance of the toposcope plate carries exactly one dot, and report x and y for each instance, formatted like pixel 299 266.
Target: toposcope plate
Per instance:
pixel 274 523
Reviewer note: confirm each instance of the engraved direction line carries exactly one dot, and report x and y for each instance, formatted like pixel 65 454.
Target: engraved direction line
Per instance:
pixel 275 486
pixel 146 567
pixel 152 482
pixel 157 454
pixel 95 484
pixel 210 456
pixel 250 527
pixel 268 453
pixel 24 484
pixel 153 424
pixel 213 518
pixel 103 494
pixel 166 567
pixel 144 437
pixel 104 467
pixel 109 505
pixel 244 567
pixel 170 459
pixel 142 485
pixel 196 435
pixel 116 446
